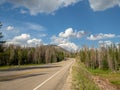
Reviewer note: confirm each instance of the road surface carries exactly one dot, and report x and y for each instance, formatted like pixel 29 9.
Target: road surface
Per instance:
pixel 44 77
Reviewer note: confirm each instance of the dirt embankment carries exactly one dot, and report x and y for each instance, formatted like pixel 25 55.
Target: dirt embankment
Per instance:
pixel 103 84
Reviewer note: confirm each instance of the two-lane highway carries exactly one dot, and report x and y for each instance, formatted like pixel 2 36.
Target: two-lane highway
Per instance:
pixel 44 77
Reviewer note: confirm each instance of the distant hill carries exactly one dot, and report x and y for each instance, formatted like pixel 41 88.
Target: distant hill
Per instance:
pixel 58 48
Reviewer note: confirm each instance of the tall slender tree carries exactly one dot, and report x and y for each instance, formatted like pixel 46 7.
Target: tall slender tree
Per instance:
pixel 1 41
pixel 2 55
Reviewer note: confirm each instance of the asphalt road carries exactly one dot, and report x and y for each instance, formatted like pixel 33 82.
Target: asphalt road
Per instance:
pixel 44 77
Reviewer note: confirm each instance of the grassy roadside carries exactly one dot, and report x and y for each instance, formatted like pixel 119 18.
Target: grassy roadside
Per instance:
pixel 112 77
pixel 81 78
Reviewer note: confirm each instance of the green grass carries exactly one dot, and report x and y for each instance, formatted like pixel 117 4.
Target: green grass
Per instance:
pixel 115 82
pixel 82 78
pixel 98 71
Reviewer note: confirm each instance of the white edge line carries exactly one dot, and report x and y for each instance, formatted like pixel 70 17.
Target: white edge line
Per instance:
pixel 48 79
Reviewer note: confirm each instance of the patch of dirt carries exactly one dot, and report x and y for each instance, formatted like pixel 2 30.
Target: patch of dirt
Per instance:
pixel 103 84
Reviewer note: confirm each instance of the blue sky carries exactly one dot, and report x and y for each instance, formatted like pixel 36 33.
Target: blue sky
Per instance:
pixel 66 23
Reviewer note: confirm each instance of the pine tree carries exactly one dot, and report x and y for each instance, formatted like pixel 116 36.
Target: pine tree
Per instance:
pixel 2 55
pixel 1 41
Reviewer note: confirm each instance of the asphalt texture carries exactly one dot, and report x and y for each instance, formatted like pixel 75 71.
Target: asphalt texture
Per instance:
pixel 43 77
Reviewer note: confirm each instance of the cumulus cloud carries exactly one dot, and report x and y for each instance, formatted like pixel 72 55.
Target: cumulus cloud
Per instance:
pixel 100 36
pixel 69 46
pixel 64 39
pixel 58 40
pixel 64 43
pixel 22 37
pixel 34 42
pixel 70 33
pixel 24 40
pixel 100 5
pixel 41 6
pixel 9 28
pixel 19 40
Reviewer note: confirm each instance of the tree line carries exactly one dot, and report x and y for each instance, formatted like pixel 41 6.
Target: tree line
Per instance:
pixel 16 55
pixel 103 58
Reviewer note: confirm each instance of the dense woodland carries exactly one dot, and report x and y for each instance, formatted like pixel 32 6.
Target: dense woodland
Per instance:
pixel 16 55
pixel 107 57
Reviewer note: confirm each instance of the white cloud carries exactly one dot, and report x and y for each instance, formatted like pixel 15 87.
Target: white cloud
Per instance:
pixel 105 43
pixel 24 40
pixel 41 6
pixel 12 34
pixel 34 42
pixel 22 37
pixel 69 46
pixel 49 7
pixel 100 5
pixel 64 42
pixel 9 28
pixel 108 43
pixel 19 40
pixel 70 33
pixel 58 40
pixel 64 39
pixel 100 36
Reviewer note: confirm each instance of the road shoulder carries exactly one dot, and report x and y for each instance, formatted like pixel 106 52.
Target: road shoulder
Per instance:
pixel 68 83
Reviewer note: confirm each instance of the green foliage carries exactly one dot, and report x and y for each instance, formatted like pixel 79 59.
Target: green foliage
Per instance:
pixel 99 71
pixel 16 55
pixel 115 82
pixel 2 54
pixel 82 78
pixel 1 36
pixel 102 58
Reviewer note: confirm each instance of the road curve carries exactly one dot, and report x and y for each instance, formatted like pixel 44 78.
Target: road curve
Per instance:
pixel 45 77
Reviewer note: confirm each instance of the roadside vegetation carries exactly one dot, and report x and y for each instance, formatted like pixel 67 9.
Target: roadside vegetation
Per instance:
pixel 16 55
pixel 104 58
pixel 102 64
pixel 108 76
pixel 82 78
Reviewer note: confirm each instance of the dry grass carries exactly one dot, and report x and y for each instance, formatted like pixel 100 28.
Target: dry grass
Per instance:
pixel 82 78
